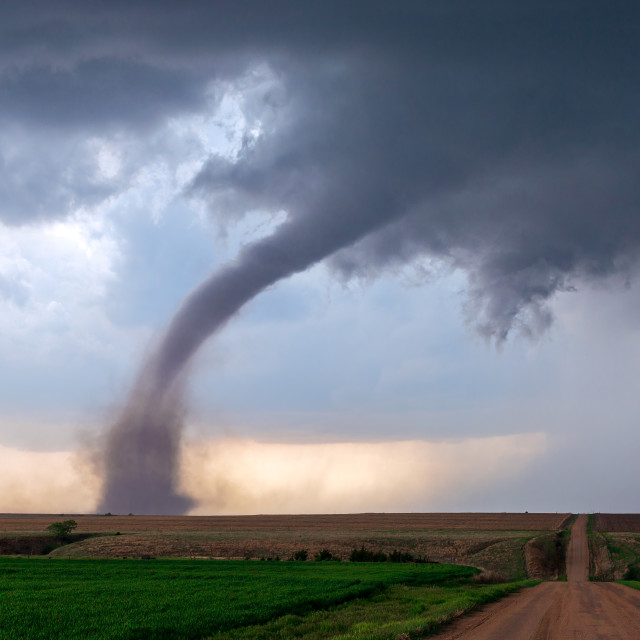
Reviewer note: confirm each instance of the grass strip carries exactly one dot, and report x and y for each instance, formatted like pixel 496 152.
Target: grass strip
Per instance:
pixel 634 584
pixel 400 611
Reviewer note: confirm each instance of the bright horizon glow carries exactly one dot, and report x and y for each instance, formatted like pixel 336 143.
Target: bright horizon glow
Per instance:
pixel 244 476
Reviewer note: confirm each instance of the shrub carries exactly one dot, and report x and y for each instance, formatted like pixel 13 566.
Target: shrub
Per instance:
pixel 400 556
pixel 301 554
pixel 62 529
pixel 632 573
pixel 324 555
pixel 364 555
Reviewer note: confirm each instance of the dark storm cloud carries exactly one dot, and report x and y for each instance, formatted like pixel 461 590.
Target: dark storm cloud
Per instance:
pixel 521 173
pixel 498 138
pixel 102 93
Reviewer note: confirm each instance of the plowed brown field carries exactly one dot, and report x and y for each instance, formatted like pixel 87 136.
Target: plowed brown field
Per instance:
pixel 626 522
pixel 31 524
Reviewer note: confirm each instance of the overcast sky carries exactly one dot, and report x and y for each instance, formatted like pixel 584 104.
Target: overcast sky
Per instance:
pixel 449 191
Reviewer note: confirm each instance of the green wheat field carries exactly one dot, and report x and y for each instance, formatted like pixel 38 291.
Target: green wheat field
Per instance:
pixel 69 598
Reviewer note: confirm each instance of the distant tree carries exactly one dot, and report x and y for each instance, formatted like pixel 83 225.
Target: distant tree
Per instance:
pixel 62 529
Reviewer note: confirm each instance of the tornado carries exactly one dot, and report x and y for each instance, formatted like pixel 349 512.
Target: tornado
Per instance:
pixel 141 454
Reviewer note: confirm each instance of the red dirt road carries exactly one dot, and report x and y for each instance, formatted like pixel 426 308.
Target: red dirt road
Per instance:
pixel 576 609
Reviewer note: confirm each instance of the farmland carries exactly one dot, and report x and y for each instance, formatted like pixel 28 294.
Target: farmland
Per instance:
pixel 491 541
pixel 171 577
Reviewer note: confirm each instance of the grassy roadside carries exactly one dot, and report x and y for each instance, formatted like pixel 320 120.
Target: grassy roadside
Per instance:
pixel 546 554
pixel 612 555
pixel 400 612
pixel 601 568
pixel 624 550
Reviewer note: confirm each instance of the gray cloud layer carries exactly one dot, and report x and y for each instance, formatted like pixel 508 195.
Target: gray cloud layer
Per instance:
pixel 502 140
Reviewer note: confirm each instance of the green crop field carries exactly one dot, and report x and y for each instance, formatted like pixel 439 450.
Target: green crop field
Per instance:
pixel 50 598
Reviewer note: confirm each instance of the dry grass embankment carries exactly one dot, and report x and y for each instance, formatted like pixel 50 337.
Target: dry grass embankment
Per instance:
pixel 614 546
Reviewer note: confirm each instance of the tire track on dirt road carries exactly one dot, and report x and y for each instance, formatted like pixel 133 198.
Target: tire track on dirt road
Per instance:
pixel 572 610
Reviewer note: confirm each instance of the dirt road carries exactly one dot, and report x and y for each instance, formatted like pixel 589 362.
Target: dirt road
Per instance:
pixel 576 609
